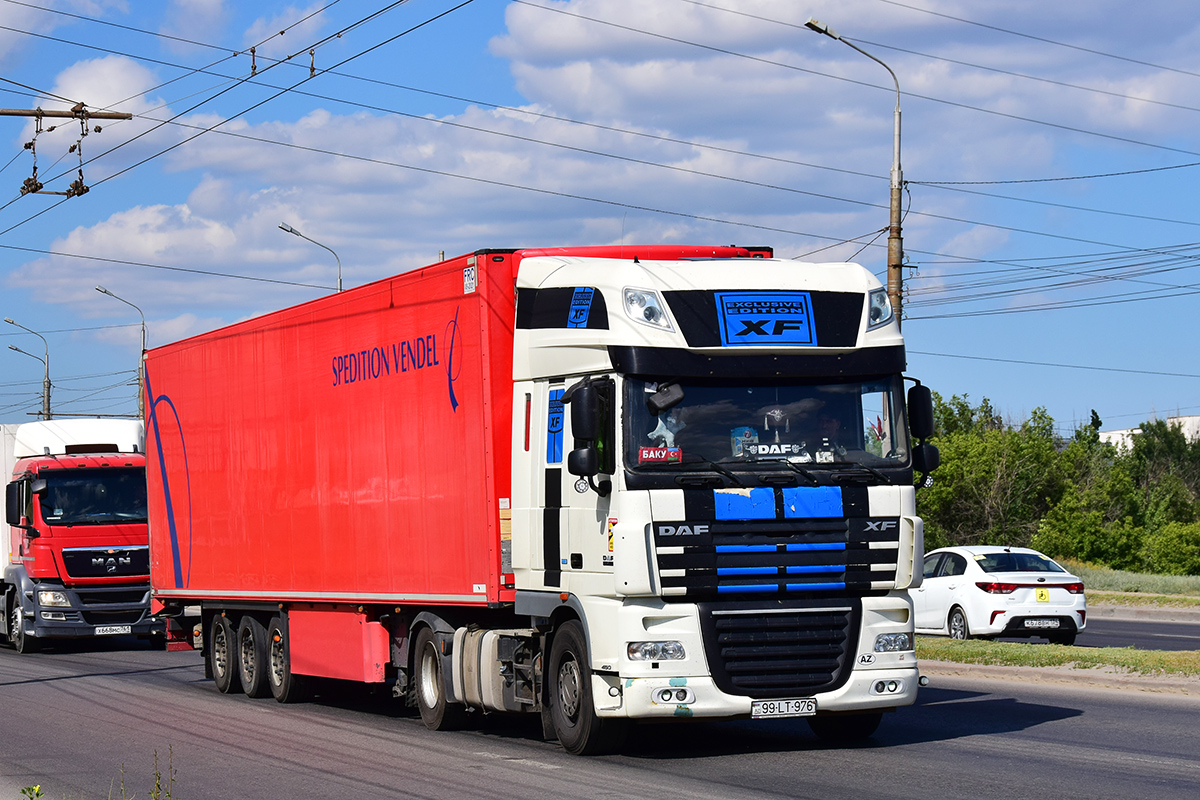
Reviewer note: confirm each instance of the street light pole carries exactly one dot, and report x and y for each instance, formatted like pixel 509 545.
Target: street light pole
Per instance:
pixel 895 282
pixel 283 226
pixel 45 361
pixel 142 357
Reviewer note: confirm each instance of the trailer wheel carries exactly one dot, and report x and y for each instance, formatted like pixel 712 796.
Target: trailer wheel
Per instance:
pixel 578 728
pixel 16 628
pixel 284 686
pixel 222 659
pixel 436 712
pixel 252 657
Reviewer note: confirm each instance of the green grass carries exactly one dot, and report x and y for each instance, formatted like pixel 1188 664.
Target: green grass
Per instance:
pixel 1102 579
pixel 1184 663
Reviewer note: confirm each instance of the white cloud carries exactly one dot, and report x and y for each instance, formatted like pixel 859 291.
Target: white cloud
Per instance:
pixel 275 36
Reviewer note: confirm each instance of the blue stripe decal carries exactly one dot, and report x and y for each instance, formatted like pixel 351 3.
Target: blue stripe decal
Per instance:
pixel 554 428
pixel 795 548
pixel 753 587
pixel 810 570
pixel 815 587
pixel 758 503
pixel 748 570
pixel 746 548
pixel 808 502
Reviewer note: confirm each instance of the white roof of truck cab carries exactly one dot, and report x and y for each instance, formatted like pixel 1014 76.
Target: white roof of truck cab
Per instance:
pixel 57 435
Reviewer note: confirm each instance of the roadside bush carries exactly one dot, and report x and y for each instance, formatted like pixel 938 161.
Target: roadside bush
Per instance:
pixel 1174 549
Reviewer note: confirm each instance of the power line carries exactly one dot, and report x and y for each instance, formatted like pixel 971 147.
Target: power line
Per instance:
pixel 1058 366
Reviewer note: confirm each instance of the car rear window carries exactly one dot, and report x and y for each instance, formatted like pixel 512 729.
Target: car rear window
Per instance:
pixel 1016 562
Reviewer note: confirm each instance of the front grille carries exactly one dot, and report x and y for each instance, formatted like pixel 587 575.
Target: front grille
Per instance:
pixel 780 648
pixel 87 562
pixel 112 617
pixel 105 597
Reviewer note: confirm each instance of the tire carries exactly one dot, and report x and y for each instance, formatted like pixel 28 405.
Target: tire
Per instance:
pixel 958 624
pixel 845 727
pixel 222 654
pixel 429 684
pixel 283 685
pixel 252 657
pixel 569 683
pixel 16 628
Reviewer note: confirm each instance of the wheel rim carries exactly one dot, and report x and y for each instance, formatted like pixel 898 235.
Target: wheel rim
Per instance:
pixel 431 692
pixel 568 687
pixel 278 662
pixel 246 652
pixel 220 647
pixel 16 631
pixel 958 626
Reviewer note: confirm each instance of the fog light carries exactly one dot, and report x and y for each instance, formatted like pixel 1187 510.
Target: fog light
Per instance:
pixel 656 651
pixel 52 598
pixel 892 686
pixel 880 686
pixel 56 616
pixel 893 642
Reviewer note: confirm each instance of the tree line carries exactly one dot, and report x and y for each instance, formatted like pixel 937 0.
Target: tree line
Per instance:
pixel 1001 483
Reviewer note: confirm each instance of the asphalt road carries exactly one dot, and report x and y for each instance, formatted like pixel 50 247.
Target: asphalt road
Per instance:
pixel 73 719
pixel 1144 634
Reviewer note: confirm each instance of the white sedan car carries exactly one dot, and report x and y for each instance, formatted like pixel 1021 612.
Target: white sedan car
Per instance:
pixel 983 592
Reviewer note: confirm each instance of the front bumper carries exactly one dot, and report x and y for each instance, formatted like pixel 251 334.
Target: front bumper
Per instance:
pixel 92 611
pixel 639 698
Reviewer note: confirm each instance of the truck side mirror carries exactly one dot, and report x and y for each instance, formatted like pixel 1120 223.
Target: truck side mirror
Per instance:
pixel 38 486
pixel 585 411
pixel 584 462
pixel 12 503
pixel 920 412
pixel 926 458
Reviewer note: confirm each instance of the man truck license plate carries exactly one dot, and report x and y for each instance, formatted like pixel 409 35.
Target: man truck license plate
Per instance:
pixel 796 707
pixel 112 630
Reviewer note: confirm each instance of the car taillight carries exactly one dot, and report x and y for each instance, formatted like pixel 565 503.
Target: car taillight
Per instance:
pixel 1073 588
pixel 998 588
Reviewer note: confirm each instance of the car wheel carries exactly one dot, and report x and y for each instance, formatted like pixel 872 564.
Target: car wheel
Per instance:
pixel 958 624
pixel 437 712
pixel 285 686
pixel 576 725
pixel 252 657
pixel 21 642
pixel 222 655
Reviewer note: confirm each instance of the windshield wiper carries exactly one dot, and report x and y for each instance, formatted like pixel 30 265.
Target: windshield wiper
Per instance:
pixel 854 470
pixel 715 466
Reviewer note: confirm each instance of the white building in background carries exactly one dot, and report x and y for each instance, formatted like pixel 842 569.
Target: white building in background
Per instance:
pixel 1124 439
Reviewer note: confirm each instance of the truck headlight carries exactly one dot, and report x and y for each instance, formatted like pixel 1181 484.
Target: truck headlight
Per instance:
pixel 644 306
pixel 893 642
pixel 51 598
pixel 879 309
pixel 656 651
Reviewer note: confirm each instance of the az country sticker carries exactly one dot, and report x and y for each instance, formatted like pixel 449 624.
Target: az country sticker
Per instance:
pixel 659 455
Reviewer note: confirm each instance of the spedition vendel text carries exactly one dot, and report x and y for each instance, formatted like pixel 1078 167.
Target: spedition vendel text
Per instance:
pixel 379 362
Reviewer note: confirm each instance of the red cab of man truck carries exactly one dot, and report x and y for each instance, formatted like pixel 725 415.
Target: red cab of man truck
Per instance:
pixel 77 558
pixel 597 484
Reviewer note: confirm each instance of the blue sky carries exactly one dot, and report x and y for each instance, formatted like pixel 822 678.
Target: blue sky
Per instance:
pixel 1050 150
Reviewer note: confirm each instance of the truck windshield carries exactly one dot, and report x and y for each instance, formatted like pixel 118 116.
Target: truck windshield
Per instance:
pixel 812 425
pixel 94 496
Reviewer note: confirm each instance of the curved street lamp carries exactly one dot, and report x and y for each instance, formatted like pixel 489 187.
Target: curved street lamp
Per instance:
pixel 142 357
pixel 895 286
pixel 283 226
pixel 46 361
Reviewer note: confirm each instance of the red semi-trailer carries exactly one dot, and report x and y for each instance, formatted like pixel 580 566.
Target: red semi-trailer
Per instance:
pixel 564 481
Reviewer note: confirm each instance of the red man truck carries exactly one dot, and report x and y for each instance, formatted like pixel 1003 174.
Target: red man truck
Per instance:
pixel 77 562
pixel 597 484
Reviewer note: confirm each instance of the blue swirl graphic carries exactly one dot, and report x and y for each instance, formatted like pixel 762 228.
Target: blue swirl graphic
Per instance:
pixel 451 374
pixel 172 525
